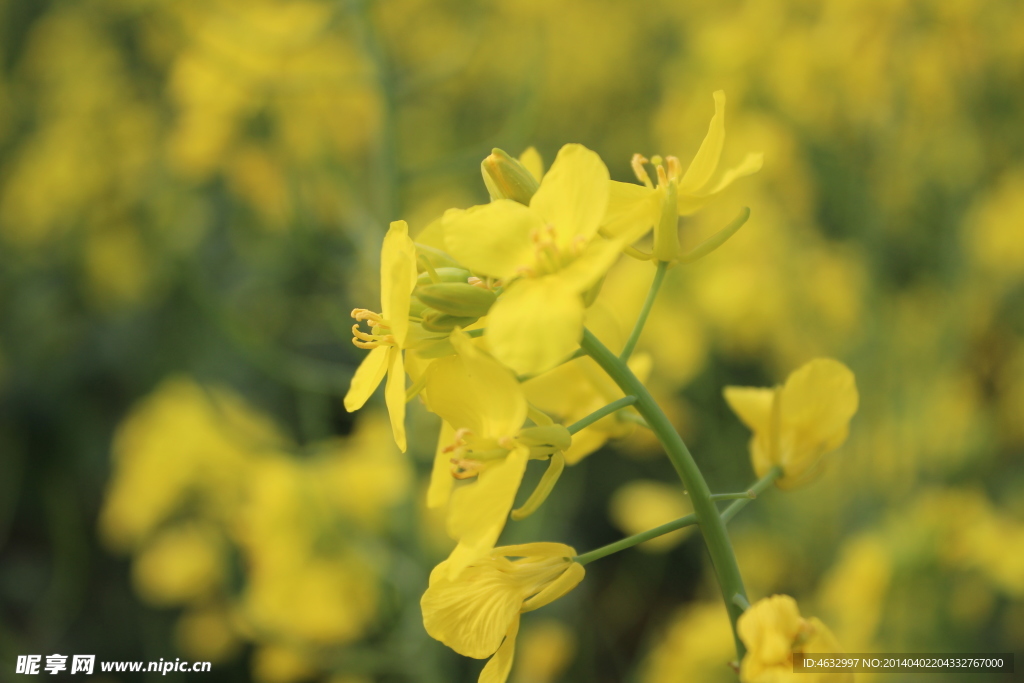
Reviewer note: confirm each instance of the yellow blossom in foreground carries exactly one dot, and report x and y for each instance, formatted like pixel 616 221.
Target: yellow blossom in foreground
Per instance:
pixel 773 630
pixel 639 207
pixel 548 253
pixel 483 407
pixel 388 330
pixel 477 614
pixel 796 424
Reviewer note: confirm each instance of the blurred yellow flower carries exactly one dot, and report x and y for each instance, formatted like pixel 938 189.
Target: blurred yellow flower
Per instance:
pixel 388 330
pixel 180 564
pixel 773 630
pixel 545 650
pixel 796 424
pixel 641 505
pixel 478 614
pixel 547 253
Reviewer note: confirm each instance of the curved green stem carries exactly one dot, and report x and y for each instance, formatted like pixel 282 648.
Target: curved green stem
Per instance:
pixel 638 328
pixel 711 524
pixel 636 539
pixel 601 412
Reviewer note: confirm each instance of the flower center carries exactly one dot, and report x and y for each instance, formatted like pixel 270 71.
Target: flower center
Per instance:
pixel 380 330
pixel 549 257
pixel 673 173
pixel 471 454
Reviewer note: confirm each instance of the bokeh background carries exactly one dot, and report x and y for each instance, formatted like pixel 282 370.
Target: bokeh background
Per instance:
pixel 192 197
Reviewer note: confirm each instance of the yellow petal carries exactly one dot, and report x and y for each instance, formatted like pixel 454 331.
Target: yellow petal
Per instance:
pixel 493 239
pixel 768 629
pixel 535 325
pixel 705 162
pixel 591 265
pixel 477 511
pixel 752 405
pixel 497 670
pixel 394 395
pixel 473 391
pixel 366 378
pixel 530 158
pixel 631 209
pixel 688 204
pixel 574 194
pixel 539 549
pixel 472 614
pixel 397 277
pixel 566 581
pixel 441 475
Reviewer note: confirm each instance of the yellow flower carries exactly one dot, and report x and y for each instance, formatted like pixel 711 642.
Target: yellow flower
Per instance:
pixel 773 630
pixel 477 614
pixel 676 193
pixel 484 408
pixel 796 424
pixel 388 330
pixel 548 254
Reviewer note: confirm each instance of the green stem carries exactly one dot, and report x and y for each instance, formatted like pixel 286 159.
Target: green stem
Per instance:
pixel 636 539
pixel 711 524
pixel 634 336
pixel 732 496
pixel 601 412
pixel 757 489
pixel 635 419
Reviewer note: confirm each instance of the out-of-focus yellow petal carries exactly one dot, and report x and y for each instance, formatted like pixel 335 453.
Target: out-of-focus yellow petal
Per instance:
pixel 493 239
pixel 590 266
pixel 477 511
pixel 441 480
pixel 394 395
pixel 472 614
pixel 366 378
pixel 752 405
pixel 574 194
pixel 397 277
pixel 689 204
pixel 531 159
pixel 536 324
pixel 705 162
pixel 632 208
pixel 473 391
pixel 498 669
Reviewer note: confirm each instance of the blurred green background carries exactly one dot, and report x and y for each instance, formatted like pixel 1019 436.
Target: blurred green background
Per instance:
pixel 192 197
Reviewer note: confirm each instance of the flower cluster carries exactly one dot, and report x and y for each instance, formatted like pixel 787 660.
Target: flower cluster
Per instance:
pixel 489 313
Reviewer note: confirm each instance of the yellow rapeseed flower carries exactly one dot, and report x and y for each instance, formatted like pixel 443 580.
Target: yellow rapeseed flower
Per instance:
pixel 548 254
pixel 796 424
pixel 477 614
pixel 388 330
pixel 484 408
pixel 773 631
pixel 676 193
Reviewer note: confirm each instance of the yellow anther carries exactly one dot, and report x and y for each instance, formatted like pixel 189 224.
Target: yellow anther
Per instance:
pixel 662 176
pixel 378 332
pixel 637 162
pixel 657 160
pixel 463 468
pixel 362 314
pixel 675 169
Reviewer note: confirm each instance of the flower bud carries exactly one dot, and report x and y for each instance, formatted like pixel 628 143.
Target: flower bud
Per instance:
pixel 447 274
pixel 546 435
pixel 507 178
pixel 459 299
pixel 436 321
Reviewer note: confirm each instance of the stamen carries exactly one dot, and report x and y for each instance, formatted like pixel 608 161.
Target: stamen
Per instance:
pixel 463 468
pixel 675 169
pixel 662 177
pixel 637 162
pixel 362 314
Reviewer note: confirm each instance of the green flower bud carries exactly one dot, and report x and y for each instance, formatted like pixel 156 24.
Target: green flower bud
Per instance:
pixel 446 274
pixel 435 257
pixel 459 299
pixel 506 178
pixel 436 321
pixel 556 436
